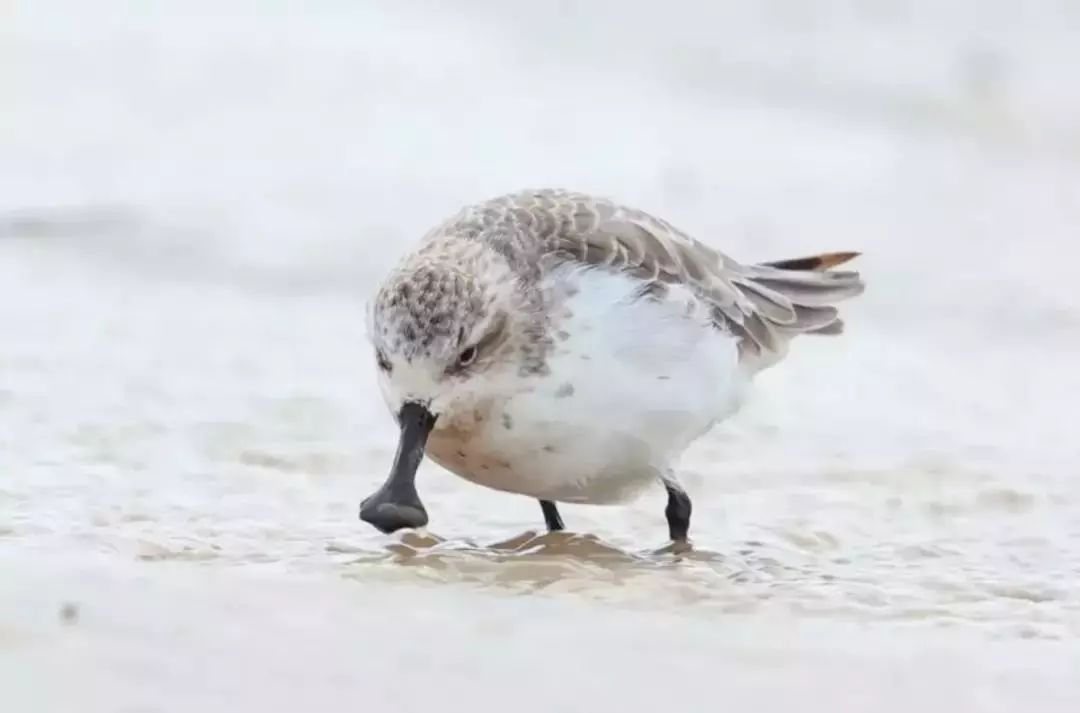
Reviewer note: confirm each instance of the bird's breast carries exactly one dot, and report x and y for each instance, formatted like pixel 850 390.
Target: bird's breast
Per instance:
pixel 529 447
pixel 468 445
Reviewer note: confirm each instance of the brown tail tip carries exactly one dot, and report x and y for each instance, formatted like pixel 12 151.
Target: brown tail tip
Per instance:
pixel 815 262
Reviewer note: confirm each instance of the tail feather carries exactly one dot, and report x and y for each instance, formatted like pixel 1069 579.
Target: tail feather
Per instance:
pixel 813 294
pixel 812 319
pixel 814 262
pixel 798 296
pixel 832 329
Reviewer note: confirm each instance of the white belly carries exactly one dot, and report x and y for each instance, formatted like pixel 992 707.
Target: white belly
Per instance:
pixel 631 384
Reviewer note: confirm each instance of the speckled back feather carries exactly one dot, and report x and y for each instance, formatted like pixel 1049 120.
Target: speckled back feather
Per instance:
pixel 763 305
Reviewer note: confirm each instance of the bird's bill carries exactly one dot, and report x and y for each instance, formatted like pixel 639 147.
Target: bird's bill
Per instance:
pixel 396 505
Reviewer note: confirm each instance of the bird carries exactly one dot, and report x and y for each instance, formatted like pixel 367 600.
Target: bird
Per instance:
pixel 565 347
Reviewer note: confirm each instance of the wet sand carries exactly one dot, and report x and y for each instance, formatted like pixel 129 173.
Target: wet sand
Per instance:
pixel 258 640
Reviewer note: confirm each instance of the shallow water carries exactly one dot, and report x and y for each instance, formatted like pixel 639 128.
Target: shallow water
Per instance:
pixel 188 418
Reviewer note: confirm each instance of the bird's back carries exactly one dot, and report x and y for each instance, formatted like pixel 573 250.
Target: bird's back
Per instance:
pixel 763 305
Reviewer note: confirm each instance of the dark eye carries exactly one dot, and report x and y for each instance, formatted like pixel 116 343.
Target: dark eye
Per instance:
pixel 383 362
pixel 466 357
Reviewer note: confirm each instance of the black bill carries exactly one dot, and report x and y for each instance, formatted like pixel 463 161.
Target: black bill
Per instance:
pixel 396 505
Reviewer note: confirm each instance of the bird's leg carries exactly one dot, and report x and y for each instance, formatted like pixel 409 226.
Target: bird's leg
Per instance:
pixel 677 511
pixel 551 516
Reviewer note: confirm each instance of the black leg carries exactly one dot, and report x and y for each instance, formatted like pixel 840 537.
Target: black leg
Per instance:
pixel 677 511
pixel 551 516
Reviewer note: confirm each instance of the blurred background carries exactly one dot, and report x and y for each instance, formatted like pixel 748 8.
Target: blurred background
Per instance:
pixel 197 200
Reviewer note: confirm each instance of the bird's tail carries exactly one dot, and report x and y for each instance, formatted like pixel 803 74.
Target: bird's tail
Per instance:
pixel 811 287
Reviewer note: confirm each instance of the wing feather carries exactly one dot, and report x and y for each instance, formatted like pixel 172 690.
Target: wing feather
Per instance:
pixel 763 305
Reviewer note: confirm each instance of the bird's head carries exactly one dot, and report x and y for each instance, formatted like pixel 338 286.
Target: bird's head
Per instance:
pixel 449 329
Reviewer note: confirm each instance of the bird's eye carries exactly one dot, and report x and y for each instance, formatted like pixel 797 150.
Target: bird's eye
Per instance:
pixel 383 362
pixel 466 357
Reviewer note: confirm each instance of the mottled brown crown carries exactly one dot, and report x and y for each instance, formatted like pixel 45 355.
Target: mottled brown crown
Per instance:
pixel 426 308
